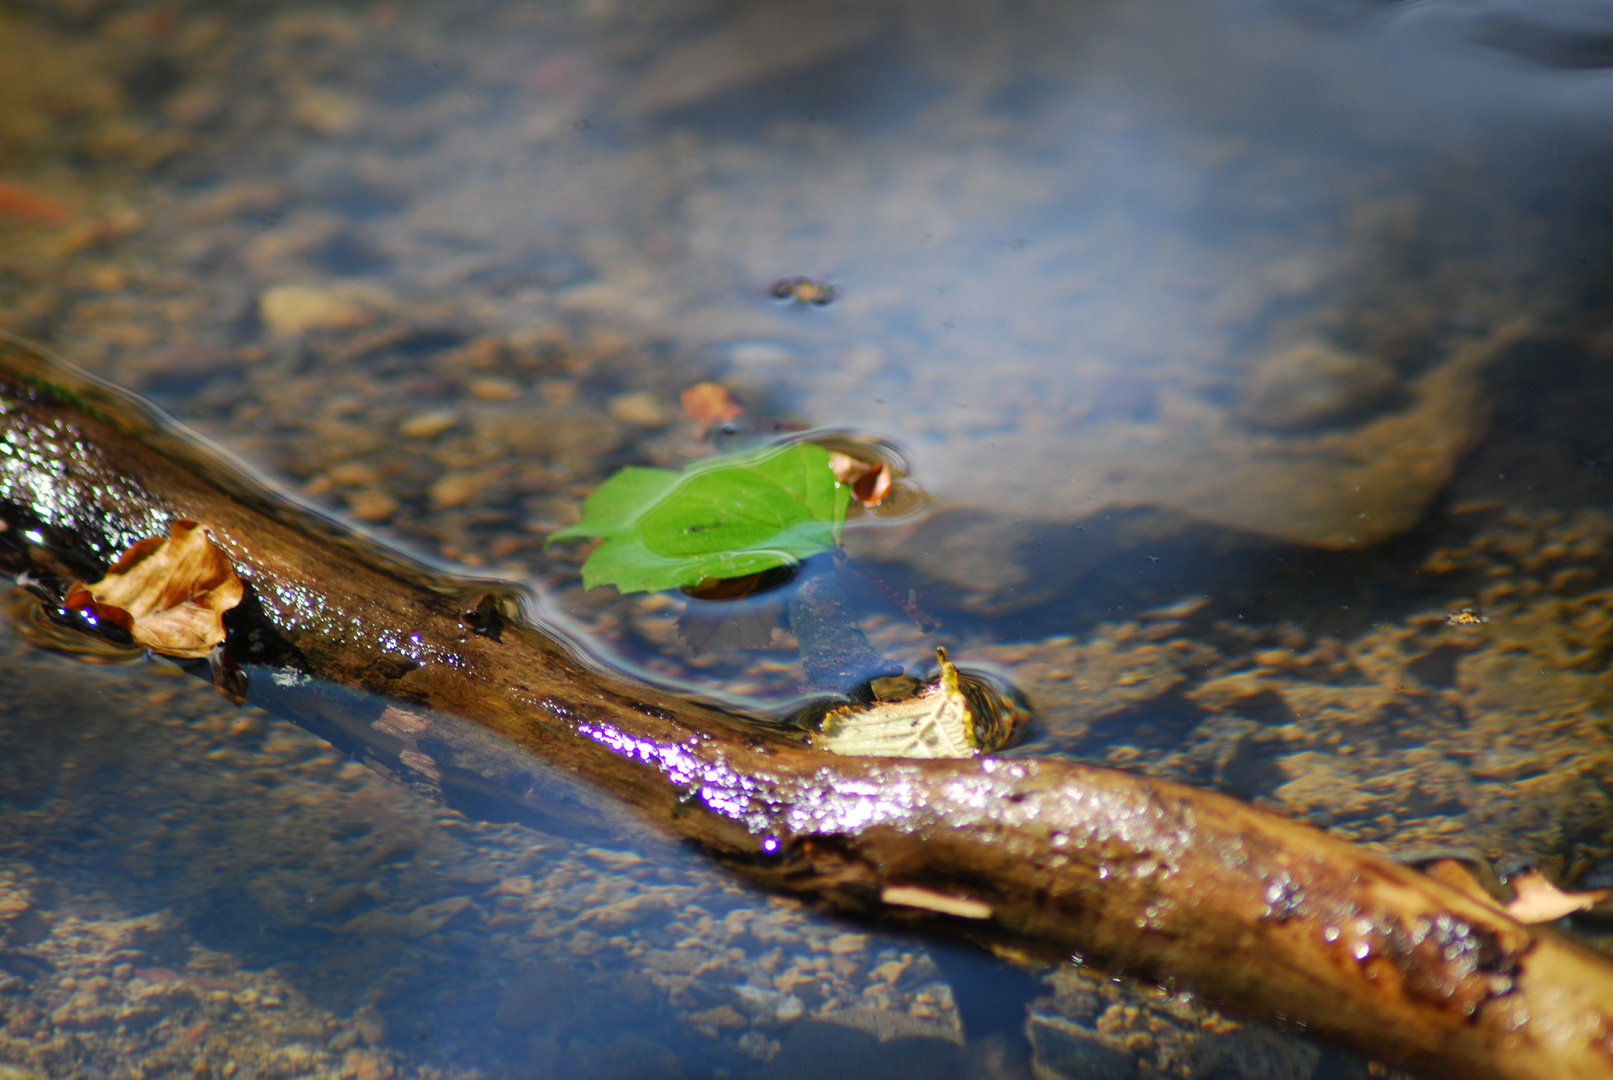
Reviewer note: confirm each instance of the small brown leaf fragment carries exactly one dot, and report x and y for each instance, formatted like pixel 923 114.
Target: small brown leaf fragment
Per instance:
pixel 869 482
pixel 803 291
pixel 169 594
pixel 20 203
pixel 1540 901
pixel 708 405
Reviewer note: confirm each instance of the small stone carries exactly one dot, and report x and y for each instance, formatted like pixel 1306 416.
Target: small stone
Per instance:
pixel 327 112
pixel 890 970
pixel 790 1008
pixel 289 310
pixel 363 1065
pixel 356 474
pixel 842 944
pixel 429 918
pixel 491 389
pixel 643 408
pixel 428 425
pixel 1315 386
pixel 370 1025
pixel 371 505
pixel 480 354
pixel 455 489
pixel 723 1016
pixel 108 278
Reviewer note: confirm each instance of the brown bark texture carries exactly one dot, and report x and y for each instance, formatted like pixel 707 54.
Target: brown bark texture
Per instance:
pixel 1153 879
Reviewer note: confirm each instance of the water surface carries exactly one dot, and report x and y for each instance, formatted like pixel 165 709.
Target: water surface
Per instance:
pixel 1234 348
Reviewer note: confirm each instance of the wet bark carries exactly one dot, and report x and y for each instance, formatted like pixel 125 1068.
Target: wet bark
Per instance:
pixel 1150 878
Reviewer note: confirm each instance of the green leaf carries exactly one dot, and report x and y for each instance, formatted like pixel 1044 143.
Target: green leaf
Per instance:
pixel 719 518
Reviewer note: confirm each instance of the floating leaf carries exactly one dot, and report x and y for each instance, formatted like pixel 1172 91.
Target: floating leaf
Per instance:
pixel 169 594
pixel 720 518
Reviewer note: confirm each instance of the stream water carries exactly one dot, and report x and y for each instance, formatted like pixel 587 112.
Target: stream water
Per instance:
pixel 1233 350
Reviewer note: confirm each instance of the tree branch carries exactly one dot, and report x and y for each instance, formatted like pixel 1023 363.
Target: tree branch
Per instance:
pixel 1154 879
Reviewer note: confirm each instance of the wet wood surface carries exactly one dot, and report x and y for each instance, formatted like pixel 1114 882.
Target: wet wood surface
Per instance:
pixel 1055 858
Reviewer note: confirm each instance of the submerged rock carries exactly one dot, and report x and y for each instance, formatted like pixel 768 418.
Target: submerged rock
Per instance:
pixel 1316 386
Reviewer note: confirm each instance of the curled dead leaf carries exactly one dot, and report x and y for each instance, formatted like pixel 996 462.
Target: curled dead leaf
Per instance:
pixel 1540 901
pixel 168 593
pixel 708 405
pixel 869 481
pixel 953 716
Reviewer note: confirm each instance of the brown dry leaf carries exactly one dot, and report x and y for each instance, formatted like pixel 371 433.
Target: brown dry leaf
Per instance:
pixel 870 482
pixel 21 203
pixel 1540 901
pixel 708 405
pixel 169 594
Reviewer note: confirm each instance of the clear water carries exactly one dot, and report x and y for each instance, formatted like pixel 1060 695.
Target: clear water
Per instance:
pixel 1233 348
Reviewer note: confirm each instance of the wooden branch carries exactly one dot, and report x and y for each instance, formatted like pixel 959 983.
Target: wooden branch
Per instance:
pixel 1150 878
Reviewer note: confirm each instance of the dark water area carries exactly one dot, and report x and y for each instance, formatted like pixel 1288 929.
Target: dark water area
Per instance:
pixel 1233 352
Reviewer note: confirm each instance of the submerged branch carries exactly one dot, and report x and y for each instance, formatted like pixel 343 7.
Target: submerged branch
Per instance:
pixel 1151 878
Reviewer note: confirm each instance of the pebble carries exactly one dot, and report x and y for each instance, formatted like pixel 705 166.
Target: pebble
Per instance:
pixel 455 489
pixel 643 408
pixel 490 389
pixel 723 1016
pixel 327 112
pixel 289 310
pixel 429 918
pixel 370 1025
pixel 845 944
pixel 355 473
pixel 428 425
pixel 1316 385
pixel 371 505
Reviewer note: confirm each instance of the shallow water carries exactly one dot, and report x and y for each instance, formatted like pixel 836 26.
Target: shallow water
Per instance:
pixel 1234 349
